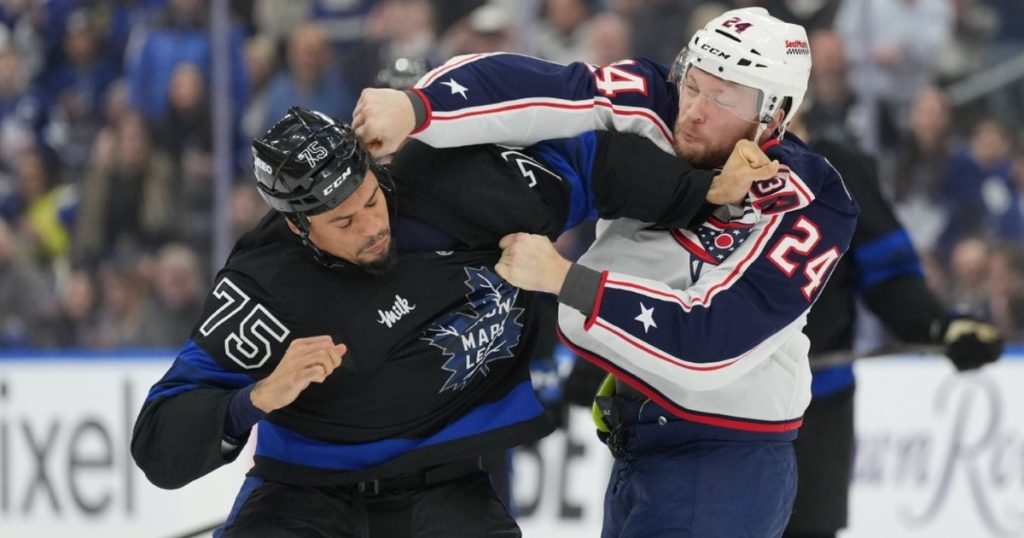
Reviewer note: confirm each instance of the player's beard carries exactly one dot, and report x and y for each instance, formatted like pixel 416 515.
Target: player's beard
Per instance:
pixel 706 156
pixel 387 261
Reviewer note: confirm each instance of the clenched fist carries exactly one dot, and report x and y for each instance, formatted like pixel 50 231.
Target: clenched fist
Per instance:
pixel 307 360
pixel 746 164
pixel 382 119
pixel 531 262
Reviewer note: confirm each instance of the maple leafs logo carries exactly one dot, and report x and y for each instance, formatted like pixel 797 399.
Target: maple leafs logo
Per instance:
pixel 485 329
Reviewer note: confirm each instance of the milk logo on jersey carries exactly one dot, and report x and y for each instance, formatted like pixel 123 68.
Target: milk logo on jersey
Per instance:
pixel 313 154
pixel 390 316
pixel 486 329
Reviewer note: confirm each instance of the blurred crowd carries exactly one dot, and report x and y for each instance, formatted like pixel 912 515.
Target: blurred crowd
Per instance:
pixel 107 150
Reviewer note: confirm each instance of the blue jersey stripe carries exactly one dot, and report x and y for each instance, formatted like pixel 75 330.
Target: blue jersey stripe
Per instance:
pixel 886 257
pixel 195 368
pixel 573 159
pixel 284 445
pixel 831 380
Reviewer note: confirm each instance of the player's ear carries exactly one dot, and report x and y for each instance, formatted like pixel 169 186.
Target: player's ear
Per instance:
pixel 291 226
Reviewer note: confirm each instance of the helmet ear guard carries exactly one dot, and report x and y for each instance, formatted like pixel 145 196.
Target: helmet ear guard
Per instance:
pixel 751 48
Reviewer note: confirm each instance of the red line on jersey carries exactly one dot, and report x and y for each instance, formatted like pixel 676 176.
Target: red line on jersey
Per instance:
pixel 727 281
pixel 771 143
pixel 799 185
pixel 548 104
pixel 444 69
pixel 599 101
pixel 768 230
pixel 721 224
pixel 654 353
pixel 597 303
pixel 691 247
pixel 426 103
pixel 675 409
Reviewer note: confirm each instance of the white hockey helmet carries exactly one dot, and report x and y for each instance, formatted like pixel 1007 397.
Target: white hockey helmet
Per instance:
pixel 750 47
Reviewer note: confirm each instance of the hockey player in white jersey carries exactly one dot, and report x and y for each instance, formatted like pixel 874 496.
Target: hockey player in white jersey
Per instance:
pixel 701 327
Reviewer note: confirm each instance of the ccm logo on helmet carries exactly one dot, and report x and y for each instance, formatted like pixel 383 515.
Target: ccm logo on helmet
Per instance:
pixel 313 154
pixel 339 181
pixel 716 52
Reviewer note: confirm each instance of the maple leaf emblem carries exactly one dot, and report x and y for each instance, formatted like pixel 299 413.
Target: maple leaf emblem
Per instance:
pixel 485 329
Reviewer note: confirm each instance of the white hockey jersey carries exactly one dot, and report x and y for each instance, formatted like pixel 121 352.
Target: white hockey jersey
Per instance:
pixel 705 322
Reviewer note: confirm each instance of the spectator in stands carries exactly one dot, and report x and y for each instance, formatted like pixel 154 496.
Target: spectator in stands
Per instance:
pixel 488 28
pixel 1006 283
pixel 123 291
pixel 891 47
pixel 400 37
pixel 312 79
pixel 913 171
pixel 128 195
pixel 978 190
pixel 610 39
pixel 563 33
pixel 44 233
pixel 76 321
pixel 19 109
pixel 833 111
pixel 177 298
pixel 27 303
pixel 260 63
pixel 180 35
pixel 968 270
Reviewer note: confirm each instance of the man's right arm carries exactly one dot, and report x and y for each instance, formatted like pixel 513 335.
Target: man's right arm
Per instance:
pixel 519 100
pixel 617 175
pixel 198 416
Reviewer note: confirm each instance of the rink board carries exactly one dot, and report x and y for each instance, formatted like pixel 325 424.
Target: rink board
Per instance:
pixel 939 455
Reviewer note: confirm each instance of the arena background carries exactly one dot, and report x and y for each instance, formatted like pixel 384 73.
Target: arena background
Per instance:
pixel 124 179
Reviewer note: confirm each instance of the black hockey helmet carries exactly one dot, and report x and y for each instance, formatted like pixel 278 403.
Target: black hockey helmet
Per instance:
pixel 308 163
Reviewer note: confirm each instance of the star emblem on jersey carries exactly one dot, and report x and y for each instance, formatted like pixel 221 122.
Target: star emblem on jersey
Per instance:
pixel 485 329
pixel 646 317
pixel 456 88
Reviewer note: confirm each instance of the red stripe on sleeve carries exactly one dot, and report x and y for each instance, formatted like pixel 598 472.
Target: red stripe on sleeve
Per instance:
pixel 592 318
pixel 430 111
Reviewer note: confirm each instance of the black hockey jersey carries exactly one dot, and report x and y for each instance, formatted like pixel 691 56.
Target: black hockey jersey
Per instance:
pixel 437 367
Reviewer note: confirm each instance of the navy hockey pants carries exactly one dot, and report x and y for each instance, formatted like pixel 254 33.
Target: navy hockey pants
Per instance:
pixel 698 488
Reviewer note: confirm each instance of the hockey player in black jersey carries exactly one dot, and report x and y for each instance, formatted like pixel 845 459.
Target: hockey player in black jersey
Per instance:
pixel 363 327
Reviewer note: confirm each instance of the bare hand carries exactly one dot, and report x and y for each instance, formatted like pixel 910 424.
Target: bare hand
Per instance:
pixel 746 164
pixel 307 360
pixel 531 262
pixel 382 119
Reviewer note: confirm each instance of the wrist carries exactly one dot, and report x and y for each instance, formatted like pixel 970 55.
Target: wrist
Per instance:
pixel 558 276
pixel 259 398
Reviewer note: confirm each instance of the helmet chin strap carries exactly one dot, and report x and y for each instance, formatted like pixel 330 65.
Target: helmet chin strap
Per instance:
pixel 330 261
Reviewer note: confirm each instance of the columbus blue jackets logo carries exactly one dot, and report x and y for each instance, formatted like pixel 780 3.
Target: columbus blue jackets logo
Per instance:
pixel 714 240
pixel 486 329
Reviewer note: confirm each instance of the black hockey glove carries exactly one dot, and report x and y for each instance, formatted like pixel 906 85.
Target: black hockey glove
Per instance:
pixel 971 343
